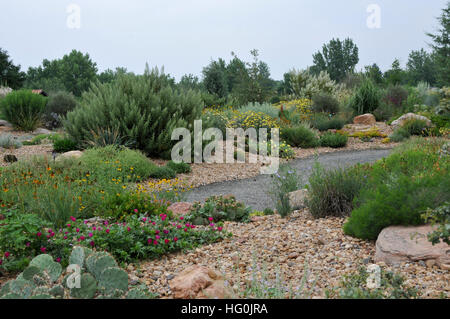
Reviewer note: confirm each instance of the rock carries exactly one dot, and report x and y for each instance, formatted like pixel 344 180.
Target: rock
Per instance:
pixel 297 199
pixel 9 158
pixel 180 208
pixel 198 282
pixel 71 154
pixel 41 130
pixel 365 119
pixel 430 263
pixel 402 119
pixel 5 123
pixel 397 244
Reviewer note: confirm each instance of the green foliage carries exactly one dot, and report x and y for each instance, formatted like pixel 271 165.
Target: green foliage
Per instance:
pixel 395 96
pixel 415 127
pixel 325 103
pixel 283 182
pixel 143 109
pixel 10 74
pixel 179 168
pixel 384 112
pixel 337 58
pixel 268 211
pixel 366 99
pixel 23 109
pixel 334 140
pixel 323 122
pixel 401 187
pixel 440 217
pixel 354 286
pixel 331 192
pixel 9 142
pixel 265 108
pixel 74 72
pixel 399 135
pixel 62 145
pixel 59 104
pixel 217 209
pixel 299 136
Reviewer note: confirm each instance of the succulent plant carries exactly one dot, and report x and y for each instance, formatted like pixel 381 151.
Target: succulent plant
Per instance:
pixel 45 263
pixel 103 263
pixel 114 278
pixel 77 256
pixel 88 287
pixel 30 272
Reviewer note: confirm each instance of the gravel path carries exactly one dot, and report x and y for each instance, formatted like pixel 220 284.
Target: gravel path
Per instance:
pixel 253 191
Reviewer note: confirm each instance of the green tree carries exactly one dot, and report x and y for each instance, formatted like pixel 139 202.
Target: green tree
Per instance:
pixel 109 75
pixel 441 48
pixel 395 75
pixel 337 58
pixel 215 78
pixel 10 74
pixel 374 73
pixel 189 82
pixel 420 67
pixel 74 73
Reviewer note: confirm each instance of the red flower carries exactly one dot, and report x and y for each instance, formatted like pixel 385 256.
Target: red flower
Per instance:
pixel 58 260
pixel 107 231
pixel 39 234
pixel 92 243
pixel 210 219
pixel 77 230
pixel 73 218
pixel 166 241
pixel 181 218
pixel 175 239
pixel 219 228
pixel 7 254
pixel 82 238
pixel 155 242
pixel 68 225
pixel 43 249
pixel 185 229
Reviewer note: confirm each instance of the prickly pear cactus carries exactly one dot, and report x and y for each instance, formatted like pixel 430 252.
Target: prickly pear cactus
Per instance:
pixel 88 287
pixel 103 263
pixel 45 263
pixel 114 278
pixel 77 256
pixel 30 272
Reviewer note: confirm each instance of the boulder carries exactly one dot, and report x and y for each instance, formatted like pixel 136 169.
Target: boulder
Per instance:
pixel 365 119
pixel 41 130
pixel 180 208
pixel 5 123
pixel 409 116
pixel 71 154
pixel 398 244
pixel 297 198
pixel 10 158
pixel 199 282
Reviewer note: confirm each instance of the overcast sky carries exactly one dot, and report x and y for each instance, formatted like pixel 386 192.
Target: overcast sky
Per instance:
pixel 184 35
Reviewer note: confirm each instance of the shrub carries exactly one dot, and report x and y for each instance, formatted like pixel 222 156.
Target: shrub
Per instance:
pixel 366 99
pixel 440 217
pixel 283 182
pixel 268 211
pixel 265 108
pixel 325 123
pixel 401 187
pixel 217 209
pixel 59 104
pixel 145 109
pixel 399 135
pixel 299 136
pixel 8 141
pixel 331 193
pixel 161 172
pixel 179 168
pixel 136 238
pixel 62 145
pixel 23 109
pixel 396 96
pixel 354 286
pixel 105 136
pixel 325 103
pixel 383 113
pixel 415 127
pixel 334 140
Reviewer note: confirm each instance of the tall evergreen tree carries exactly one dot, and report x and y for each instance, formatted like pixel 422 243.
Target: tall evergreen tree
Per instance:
pixel 10 74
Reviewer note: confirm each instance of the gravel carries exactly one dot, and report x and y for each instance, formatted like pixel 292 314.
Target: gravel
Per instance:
pixel 253 191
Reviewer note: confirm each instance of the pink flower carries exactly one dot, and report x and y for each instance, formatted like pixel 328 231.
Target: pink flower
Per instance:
pixel 144 219
pixel 94 228
pixel 165 231
pixel 192 226
pixel 185 229
pixel 135 210
pixel 128 228
pixel 153 223
pixel 188 225
pixel 65 237
pixel 73 218
pixel 90 235
pixel 66 232
pixel 58 260
pixel 175 239
pixel 212 224
pixel 155 242
pixel 106 222
pixel 77 230
pixel 219 228
pixel 68 225
pixel 178 226
pixel 82 238
pixel 43 249
pixel 181 218
pixel 7 254
pixel 210 219
pixel 166 241
pixel 92 243
pixel 156 231
pixel 28 244
pixel 50 231
pixel 107 231
pixel 157 237
pixel 149 241
pixel 85 222
pixel 1 262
